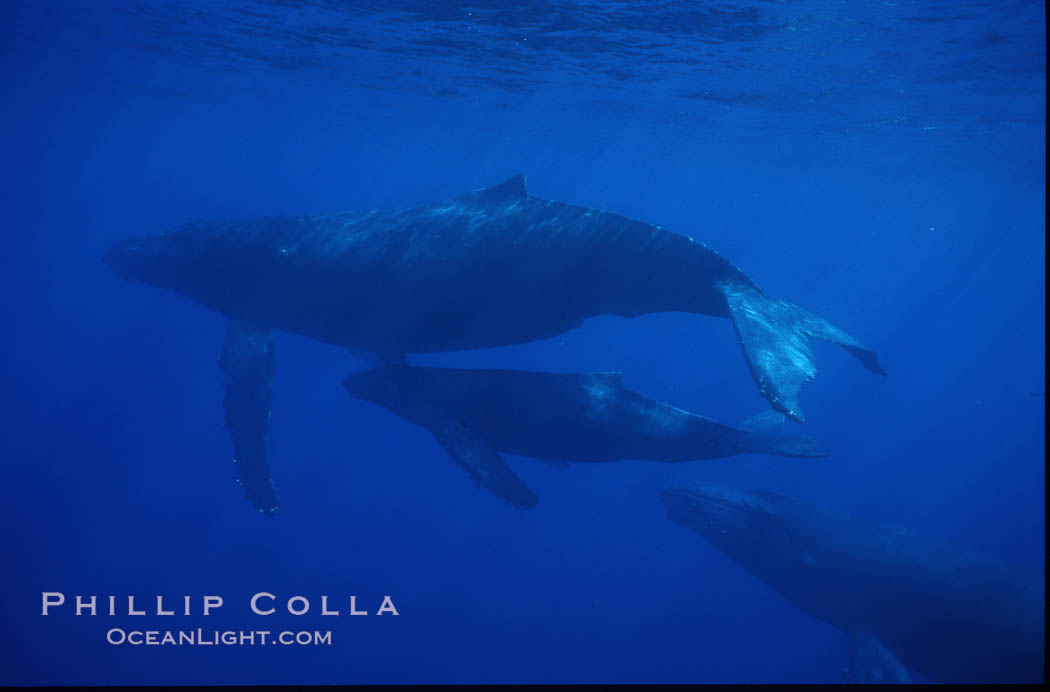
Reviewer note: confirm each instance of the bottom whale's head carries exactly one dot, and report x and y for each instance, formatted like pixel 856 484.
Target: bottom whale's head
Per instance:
pixel 770 535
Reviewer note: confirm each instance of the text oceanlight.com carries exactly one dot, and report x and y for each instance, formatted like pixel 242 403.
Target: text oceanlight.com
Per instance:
pixel 201 637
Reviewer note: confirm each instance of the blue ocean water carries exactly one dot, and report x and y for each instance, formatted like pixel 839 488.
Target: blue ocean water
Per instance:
pixel 881 164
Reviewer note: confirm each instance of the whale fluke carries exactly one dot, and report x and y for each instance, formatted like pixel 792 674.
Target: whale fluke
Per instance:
pixel 773 334
pixel 765 421
pixel 784 445
pixel 765 435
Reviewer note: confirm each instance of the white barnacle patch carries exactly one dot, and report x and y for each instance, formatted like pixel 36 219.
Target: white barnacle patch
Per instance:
pixel 599 399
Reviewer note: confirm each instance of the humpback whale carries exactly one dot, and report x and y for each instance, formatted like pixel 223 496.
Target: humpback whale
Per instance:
pixel 903 597
pixel 487 268
pixel 587 417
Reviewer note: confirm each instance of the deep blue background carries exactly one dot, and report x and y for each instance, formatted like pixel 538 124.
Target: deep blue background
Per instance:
pixel 882 166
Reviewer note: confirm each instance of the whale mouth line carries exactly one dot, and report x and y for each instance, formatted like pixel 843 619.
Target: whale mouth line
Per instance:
pixel 708 505
pixel 703 495
pixel 712 505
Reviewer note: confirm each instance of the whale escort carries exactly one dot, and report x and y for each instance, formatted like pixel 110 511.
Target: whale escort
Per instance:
pixel 906 600
pixel 487 268
pixel 587 417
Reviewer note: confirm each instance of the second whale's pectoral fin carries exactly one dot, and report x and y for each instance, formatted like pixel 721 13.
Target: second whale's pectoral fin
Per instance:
pixel 773 335
pixel 247 364
pixel 872 663
pixel 483 464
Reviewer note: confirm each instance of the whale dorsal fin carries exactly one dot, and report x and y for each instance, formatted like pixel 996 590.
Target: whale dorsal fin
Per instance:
pixel 508 191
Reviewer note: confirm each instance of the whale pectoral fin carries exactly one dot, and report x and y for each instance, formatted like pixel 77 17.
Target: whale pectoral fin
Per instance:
pixel 483 464
pixel 247 364
pixel 871 662
pixel 773 335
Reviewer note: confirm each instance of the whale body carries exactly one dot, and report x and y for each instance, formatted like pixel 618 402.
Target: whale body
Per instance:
pixel 947 612
pixel 486 268
pixel 584 417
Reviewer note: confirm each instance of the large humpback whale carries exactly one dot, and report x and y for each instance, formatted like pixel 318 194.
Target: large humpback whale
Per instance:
pixel 946 612
pixel 487 268
pixel 589 417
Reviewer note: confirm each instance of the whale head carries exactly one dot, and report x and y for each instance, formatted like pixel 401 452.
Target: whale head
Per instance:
pixel 775 537
pixel 402 389
pixel 156 260
pixel 197 260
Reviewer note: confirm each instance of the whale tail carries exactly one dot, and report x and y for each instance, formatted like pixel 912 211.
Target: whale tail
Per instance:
pixel 773 335
pixel 763 434
pixel 801 446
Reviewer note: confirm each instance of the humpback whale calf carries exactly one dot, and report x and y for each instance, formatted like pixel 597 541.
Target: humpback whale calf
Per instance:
pixel 949 613
pixel 589 417
pixel 487 268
